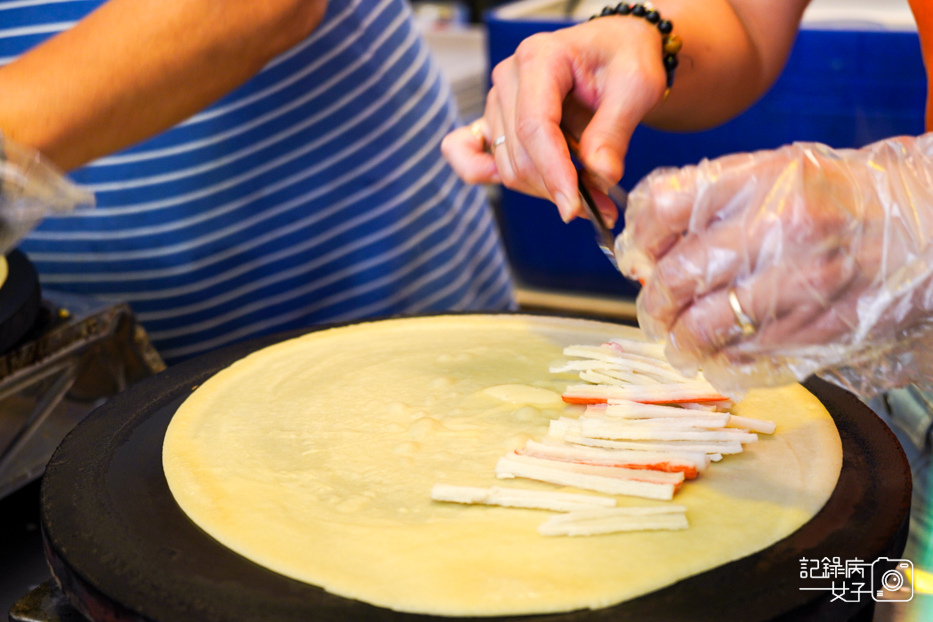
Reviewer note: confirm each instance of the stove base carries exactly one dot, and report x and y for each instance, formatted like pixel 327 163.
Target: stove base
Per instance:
pixel 46 603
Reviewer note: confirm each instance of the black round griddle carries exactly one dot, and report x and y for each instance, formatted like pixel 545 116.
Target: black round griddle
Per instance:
pixel 123 550
pixel 20 300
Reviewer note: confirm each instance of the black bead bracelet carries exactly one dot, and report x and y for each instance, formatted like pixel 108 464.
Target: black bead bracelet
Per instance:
pixel 670 43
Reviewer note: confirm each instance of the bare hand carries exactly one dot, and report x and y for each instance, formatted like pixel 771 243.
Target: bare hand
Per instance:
pixel 595 81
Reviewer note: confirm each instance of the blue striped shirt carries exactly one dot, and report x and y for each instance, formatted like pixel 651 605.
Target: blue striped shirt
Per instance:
pixel 314 193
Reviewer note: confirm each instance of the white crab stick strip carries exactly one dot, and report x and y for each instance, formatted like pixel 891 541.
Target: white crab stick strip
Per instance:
pixel 602 372
pixel 623 360
pixel 709 422
pixel 566 429
pixel 687 391
pixel 619 472
pixel 584 365
pixel 623 430
pixel 613 520
pixel 713 452
pixel 685 461
pixel 627 409
pixel 752 425
pixel 647 351
pixel 519 498
pixel 595 513
pixel 708 406
pixel 644 348
pixel 620 379
pixel 511 466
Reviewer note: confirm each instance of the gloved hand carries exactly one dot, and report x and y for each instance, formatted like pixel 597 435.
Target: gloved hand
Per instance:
pixel 31 188
pixel 827 254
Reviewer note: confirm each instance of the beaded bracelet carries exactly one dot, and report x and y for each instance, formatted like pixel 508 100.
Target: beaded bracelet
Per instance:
pixel 670 42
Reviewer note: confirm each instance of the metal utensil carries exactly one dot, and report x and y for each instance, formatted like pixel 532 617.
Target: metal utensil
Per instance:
pixel 605 238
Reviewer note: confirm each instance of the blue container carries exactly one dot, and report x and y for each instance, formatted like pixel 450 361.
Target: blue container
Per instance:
pixel 845 88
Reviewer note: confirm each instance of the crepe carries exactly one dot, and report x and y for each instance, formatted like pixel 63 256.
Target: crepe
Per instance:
pixel 315 458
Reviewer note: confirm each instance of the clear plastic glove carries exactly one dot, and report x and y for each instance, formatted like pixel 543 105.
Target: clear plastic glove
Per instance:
pixel 31 188
pixel 829 254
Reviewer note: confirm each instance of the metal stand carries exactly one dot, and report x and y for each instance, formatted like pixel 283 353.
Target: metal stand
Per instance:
pixel 80 352
pixel 46 603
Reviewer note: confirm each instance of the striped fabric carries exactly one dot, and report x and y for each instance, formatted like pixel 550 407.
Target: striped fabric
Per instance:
pixel 315 193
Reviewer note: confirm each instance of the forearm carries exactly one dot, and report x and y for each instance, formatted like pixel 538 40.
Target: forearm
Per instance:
pixel 733 50
pixel 136 67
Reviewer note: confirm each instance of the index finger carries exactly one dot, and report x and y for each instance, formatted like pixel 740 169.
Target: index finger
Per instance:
pixel 544 80
pixel 669 203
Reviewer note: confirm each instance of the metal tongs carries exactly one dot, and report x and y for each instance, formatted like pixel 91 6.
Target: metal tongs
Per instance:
pixel 605 238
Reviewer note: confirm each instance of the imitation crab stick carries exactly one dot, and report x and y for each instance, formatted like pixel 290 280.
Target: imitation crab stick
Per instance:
pixel 689 391
pixel 595 368
pixel 519 498
pixel 706 406
pixel 623 430
pixel 712 422
pixel 614 471
pixel 644 348
pixel 511 466
pixel 611 520
pixel 631 362
pixel 627 409
pixel 713 450
pixel 632 346
pixel 616 377
pixel 569 430
pixel 688 464
pixel 752 425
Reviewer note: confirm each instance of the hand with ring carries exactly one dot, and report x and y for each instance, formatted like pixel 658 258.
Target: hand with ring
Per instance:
pixel 558 84
pixel 763 268
pixel 470 151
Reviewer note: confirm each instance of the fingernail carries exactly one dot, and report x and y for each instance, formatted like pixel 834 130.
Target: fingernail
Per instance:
pixel 609 217
pixel 564 207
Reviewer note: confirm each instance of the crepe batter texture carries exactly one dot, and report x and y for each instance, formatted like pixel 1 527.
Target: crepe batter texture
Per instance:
pixel 315 458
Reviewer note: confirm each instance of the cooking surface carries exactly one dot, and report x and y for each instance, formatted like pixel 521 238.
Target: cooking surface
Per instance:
pixel 113 526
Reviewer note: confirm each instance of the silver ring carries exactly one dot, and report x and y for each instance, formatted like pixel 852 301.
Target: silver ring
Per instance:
pixel 496 143
pixel 746 323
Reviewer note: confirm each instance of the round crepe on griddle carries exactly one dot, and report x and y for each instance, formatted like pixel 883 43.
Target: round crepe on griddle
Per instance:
pixel 315 458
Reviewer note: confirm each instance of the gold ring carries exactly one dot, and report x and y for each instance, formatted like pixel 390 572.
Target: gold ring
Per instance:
pixel 741 318
pixel 476 128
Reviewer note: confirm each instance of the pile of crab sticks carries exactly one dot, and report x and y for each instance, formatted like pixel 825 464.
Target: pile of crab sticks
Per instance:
pixel 645 431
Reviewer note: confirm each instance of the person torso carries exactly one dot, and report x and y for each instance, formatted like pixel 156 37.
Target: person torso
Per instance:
pixel 314 193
